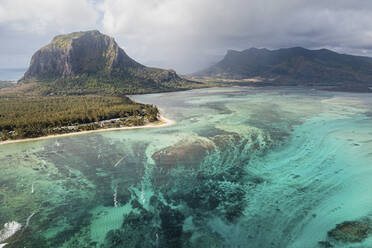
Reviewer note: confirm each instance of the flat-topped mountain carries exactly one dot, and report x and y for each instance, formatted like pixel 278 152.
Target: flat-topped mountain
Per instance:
pixel 71 55
pixel 93 62
pixel 293 65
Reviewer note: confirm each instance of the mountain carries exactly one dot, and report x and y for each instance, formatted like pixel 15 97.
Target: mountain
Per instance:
pixel 295 65
pixel 91 62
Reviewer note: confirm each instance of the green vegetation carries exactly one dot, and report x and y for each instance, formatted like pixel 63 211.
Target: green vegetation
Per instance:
pixel 93 63
pixel 29 117
pixel 113 86
pixel 65 39
pixel 293 66
pixel 79 82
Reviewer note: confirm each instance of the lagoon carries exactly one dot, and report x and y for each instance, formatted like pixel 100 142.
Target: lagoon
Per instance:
pixel 242 167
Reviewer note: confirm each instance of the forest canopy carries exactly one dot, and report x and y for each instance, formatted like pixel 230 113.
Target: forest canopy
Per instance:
pixel 34 116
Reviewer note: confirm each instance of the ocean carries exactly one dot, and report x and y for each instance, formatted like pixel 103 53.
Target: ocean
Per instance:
pixel 242 167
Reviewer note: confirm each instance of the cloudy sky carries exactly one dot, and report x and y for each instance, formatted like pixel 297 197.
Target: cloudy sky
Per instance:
pixel 187 35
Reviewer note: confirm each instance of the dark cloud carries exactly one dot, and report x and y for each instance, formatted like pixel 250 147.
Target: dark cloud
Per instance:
pixel 190 35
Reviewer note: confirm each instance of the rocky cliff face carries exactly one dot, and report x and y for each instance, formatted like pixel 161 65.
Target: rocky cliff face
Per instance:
pixel 71 55
pixel 90 63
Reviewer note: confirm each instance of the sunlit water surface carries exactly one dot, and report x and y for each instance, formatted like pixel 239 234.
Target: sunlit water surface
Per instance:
pixel 242 167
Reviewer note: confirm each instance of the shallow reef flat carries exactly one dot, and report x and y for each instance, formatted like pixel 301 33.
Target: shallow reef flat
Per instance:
pixel 242 167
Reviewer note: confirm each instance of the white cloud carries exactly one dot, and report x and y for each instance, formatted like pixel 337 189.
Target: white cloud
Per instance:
pixel 43 16
pixel 27 25
pixel 189 34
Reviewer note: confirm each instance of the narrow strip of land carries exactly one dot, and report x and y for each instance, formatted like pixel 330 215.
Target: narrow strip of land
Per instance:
pixel 162 122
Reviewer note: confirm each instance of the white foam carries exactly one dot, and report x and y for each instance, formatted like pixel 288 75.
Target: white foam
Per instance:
pixel 28 220
pixel 142 196
pixel 119 161
pixel 9 230
pixel 2 245
pixel 116 197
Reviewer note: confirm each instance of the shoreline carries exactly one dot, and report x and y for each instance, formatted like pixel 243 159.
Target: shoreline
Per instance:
pixel 162 122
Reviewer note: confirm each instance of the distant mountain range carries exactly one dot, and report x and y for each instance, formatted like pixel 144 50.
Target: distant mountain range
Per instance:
pixel 91 62
pixel 295 65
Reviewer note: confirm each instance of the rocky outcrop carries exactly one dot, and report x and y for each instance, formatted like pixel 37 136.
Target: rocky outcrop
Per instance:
pixel 74 62
pixel 71 55
pixel 350 231
pixel 168 75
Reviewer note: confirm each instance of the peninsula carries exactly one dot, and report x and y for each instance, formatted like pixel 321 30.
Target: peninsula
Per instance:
pixel 79 82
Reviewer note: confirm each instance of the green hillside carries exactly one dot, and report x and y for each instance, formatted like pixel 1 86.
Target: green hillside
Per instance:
pixel 293 66
pixel 93 63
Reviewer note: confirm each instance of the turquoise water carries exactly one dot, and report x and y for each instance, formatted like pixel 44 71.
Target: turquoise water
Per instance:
pixel 242 167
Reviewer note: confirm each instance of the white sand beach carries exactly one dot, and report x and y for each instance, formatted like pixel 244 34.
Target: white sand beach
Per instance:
pixel 163 122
